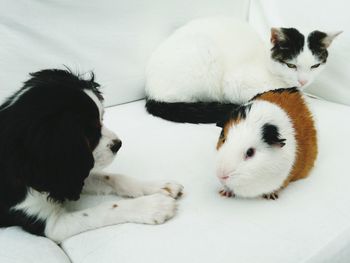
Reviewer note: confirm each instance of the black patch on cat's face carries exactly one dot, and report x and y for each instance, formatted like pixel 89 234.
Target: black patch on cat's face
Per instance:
pixel 289 46
pixel 271 136
pixel 316 45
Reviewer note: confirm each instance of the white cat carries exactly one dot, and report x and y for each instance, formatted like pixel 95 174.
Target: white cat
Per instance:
pixel 211 63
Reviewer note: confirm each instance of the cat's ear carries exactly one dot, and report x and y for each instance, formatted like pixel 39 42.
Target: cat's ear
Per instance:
pixel 330 37
pixel 276 35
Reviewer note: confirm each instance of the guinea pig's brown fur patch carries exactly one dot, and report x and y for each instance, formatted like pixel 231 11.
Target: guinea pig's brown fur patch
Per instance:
pixel 224 131
pixel 292 102
pixel 232 119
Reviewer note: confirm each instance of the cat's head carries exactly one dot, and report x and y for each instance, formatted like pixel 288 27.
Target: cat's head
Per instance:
pixel 298 58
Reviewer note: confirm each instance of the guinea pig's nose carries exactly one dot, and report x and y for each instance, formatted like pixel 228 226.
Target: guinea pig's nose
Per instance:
pixel 223 176
pixel 116 144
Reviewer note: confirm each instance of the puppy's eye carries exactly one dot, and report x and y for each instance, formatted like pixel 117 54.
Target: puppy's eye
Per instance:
pixel 290 65
pixel 250 153
pixel 316 65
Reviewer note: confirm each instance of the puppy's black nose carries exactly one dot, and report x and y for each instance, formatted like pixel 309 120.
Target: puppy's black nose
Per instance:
pixel 116 144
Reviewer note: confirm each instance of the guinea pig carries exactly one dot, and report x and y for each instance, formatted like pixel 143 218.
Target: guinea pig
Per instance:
pixel 265 144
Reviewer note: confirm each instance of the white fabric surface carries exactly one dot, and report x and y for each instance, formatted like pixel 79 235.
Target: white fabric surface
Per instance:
pixel 112 37
pixel 308 223
pixel 18 246
pixel 333 83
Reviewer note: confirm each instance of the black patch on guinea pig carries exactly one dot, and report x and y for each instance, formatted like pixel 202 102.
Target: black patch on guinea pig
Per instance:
pixel 289 46
pixel 238 113
pixel 271 136
pixel 316 45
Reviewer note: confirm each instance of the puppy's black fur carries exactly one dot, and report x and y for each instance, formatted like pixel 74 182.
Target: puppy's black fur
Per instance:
pixel 48 130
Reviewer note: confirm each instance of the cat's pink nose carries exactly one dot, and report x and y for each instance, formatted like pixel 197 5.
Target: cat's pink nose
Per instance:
pixel 302 82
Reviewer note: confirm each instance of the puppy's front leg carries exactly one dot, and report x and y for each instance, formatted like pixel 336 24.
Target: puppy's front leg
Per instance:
pixel 152 209
pixel 122 185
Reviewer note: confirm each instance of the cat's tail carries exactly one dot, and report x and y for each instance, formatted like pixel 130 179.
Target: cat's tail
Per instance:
pixel 190 112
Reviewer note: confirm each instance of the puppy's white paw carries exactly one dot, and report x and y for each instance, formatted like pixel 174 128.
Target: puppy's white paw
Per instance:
pixel 159 208
pixel 172 189
pixel 151 209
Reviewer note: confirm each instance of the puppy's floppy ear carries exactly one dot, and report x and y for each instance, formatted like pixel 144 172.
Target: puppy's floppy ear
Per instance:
pixel 271 136
pixel 59 156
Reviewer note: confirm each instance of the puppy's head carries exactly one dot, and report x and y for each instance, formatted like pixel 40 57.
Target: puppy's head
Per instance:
pixel 58 132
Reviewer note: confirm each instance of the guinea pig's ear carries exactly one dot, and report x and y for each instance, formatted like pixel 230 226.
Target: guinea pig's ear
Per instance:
pixel 59 157
pixel 271 136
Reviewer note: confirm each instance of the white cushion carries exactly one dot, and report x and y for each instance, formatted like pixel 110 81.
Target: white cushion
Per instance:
pixel 333 83
pixel 308 223
pixel 18 246
pixel 112 37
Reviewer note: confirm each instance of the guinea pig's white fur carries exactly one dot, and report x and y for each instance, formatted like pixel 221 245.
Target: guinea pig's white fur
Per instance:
pixel 266 171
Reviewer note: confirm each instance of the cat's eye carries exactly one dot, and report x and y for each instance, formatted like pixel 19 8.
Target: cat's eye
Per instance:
pixel 316 65
pixel 249 153
pixel 290 65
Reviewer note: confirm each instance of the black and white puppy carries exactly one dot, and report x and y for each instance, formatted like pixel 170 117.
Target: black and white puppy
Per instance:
pixel 53 146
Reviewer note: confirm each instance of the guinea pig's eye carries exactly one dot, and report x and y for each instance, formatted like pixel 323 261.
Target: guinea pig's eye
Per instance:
pixel 250 153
